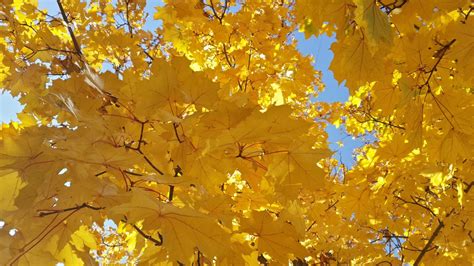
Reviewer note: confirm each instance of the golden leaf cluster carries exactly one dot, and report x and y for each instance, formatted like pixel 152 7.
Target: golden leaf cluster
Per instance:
pixel 198 142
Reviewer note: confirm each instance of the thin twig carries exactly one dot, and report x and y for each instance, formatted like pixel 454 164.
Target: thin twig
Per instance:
pixel 417 204
pixel 175 128
pixel 42 213
pixel 26 249
pixel 158 242
pixel 127 14
pixel 214 11
pixel 152 165
pixel 139 146
pixel 69 28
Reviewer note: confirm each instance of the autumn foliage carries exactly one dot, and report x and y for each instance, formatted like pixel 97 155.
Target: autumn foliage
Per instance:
pixel 198 141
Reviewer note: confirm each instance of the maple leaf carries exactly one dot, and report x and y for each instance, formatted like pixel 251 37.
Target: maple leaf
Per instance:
pixel 374 21
pixel 273 236
pixel 182 229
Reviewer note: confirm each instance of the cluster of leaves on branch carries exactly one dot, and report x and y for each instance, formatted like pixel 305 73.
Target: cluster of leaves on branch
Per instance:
pixel 199 140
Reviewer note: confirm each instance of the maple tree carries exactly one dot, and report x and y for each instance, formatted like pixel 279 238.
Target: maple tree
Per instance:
pixel 200 139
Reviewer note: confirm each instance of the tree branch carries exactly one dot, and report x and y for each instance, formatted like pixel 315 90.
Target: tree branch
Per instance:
pixel 227 56
pixel 214 11
pixel 175 128
pixel 69 28
pixel 152 165
pixel 146 53
pixel 389 8
pixel 157 242
pixel 426 248
pixel 439 55
pixel 414 202
pixel 177 172
pixel 42 213
pixel 436 232
pixel 45 232
pixel 139 146
pixel 127 15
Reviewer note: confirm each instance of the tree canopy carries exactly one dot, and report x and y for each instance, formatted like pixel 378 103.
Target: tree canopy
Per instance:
pixel 199 140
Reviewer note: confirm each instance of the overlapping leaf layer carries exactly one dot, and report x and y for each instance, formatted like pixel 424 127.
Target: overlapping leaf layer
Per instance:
pixel 199 142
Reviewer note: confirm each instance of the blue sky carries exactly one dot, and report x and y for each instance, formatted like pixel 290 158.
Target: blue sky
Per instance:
pixel 8 107
pixel 319 48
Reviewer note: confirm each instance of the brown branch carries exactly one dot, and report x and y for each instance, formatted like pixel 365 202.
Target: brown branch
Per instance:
pixel 466 15
pixel 109 245
pixel 310 226
pixel 47 49
pixel 389 123
pixel 139 146
pixel 440 105
pixel 146 53
pixel 101 173
pixel 433 236
pixel 390 7
pixel 469 186
pixel 416 249
pixel 127 14
pixel 42 213
pixel 175 128
pixel 157 242
pixel 140 139
pixel 226 6
pixel 366 112
pixel 26 249
pixel 171 193
pixel 439 55
pixel 327 209
pixel 40 233
pixel 69 28
pixel 428 244
pixel 332 205
pixel 227 56
pixel 177 172
pixel 414 202
pixel 126 179
pixel 214 11
pixel 152 165
pixel 199 262
pixel 132 173
pixel 160 195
